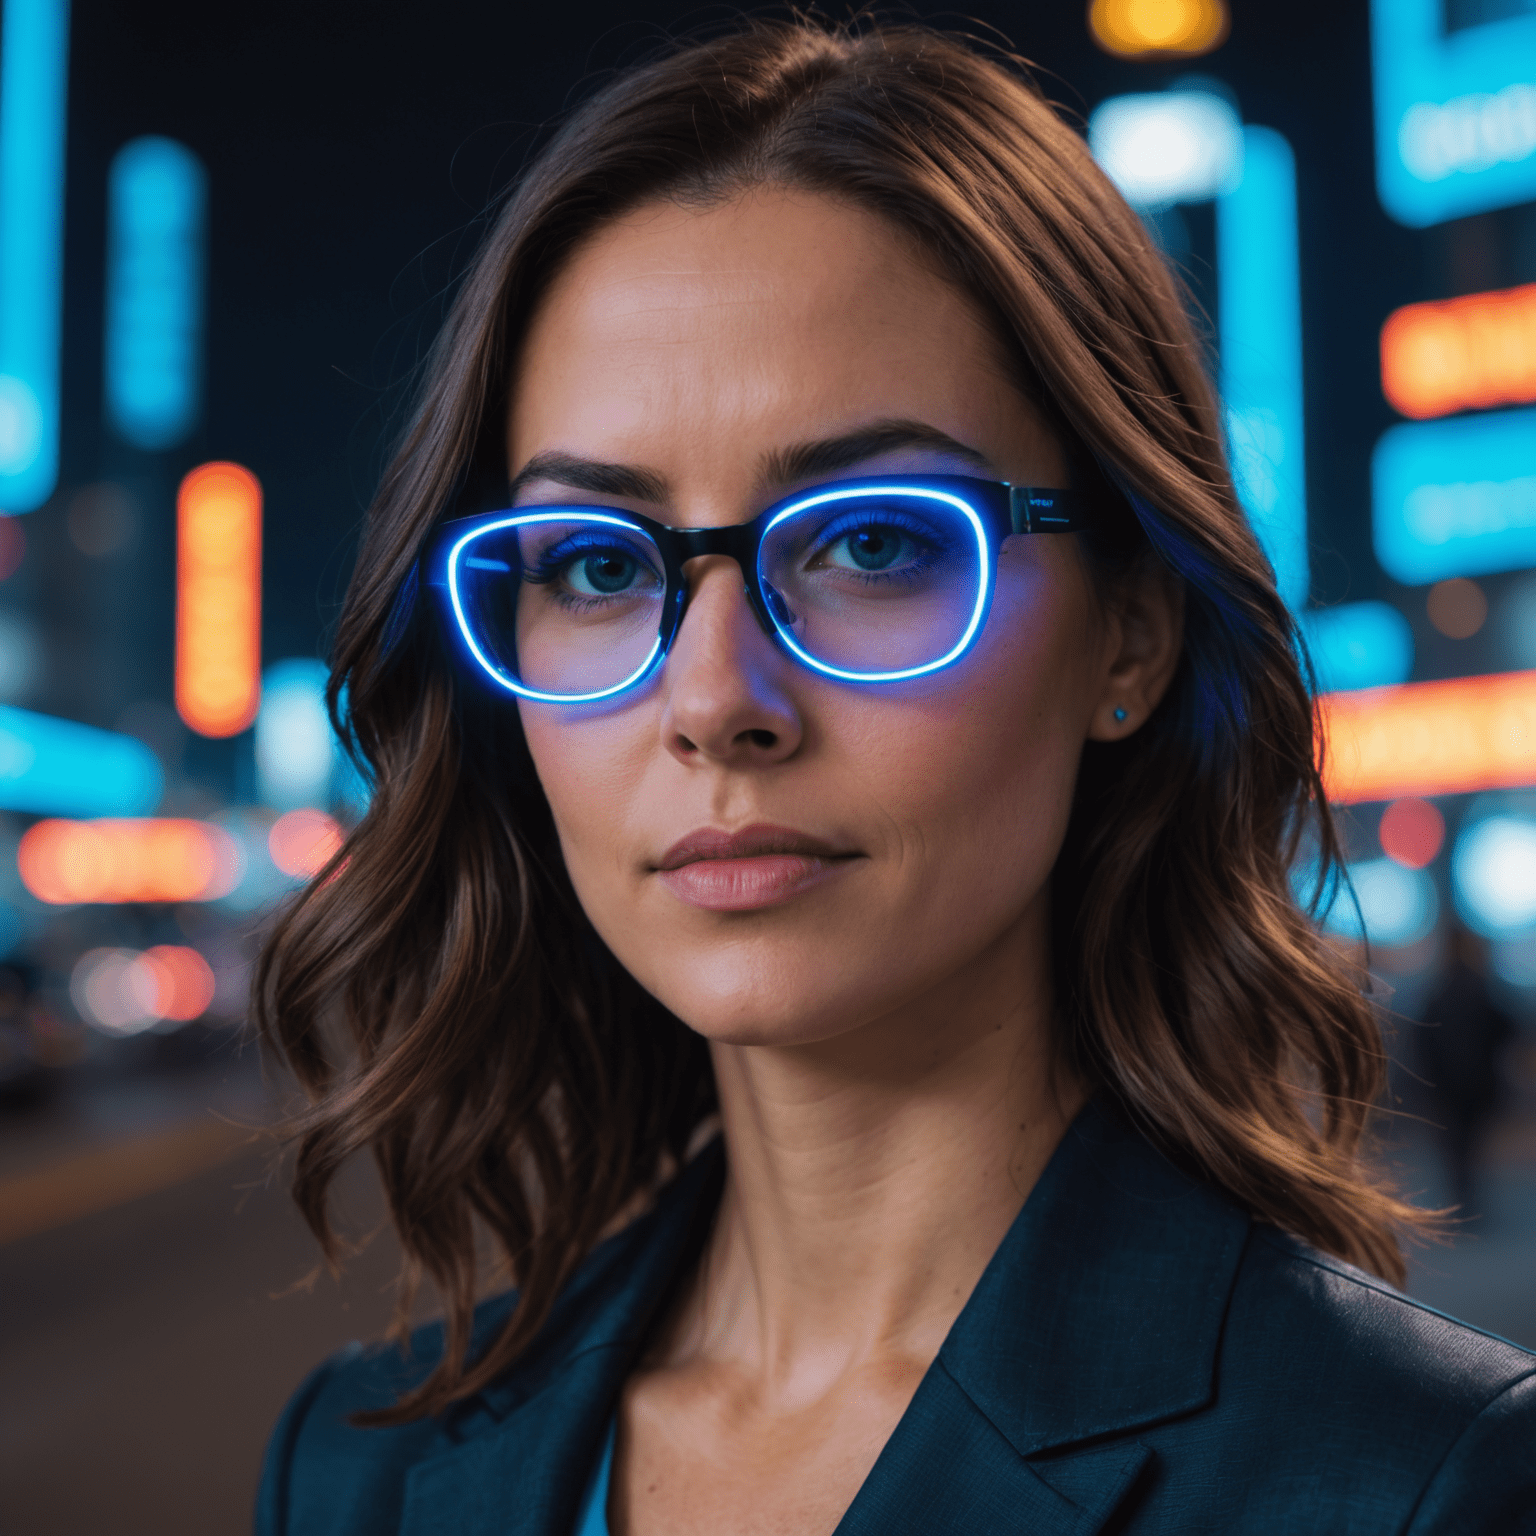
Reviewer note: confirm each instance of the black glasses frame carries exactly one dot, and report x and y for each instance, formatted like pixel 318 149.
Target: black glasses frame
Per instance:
pixel 1001 509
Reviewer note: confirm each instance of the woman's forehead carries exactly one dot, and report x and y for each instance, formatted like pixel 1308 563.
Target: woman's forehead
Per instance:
pixel 744 328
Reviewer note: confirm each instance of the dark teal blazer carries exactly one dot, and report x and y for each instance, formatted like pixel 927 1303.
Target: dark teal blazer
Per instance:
pixel 1138 1357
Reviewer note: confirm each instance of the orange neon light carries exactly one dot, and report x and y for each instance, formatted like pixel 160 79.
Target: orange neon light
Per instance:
pixel 1450 738
pixel 183 981
pixel 153 859
pixel 1135 27
pixel 303 842
pixel 1461 354
pixel 218 599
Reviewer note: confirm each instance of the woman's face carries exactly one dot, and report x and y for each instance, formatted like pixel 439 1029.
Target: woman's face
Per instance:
pixel 778 856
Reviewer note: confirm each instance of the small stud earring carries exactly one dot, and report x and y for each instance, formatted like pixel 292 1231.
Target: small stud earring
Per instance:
pixel 1120 717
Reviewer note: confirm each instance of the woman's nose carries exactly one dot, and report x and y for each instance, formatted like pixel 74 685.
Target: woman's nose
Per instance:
pixel 725 680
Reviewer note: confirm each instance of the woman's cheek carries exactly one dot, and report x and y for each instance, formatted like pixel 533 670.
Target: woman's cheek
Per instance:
pixel 592 772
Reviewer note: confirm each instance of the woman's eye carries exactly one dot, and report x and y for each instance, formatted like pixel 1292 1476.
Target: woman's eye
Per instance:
pixel 606 573
pixel 872 548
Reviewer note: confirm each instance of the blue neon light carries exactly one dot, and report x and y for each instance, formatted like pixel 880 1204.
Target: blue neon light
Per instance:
pixel 1358 645
pixel 1455 115
pixel 978 612
pixel 34 55
pixel 56 767
pixel 983 586
pixel 1493 875
pixel 156 197
pixel 1164 147
pixel 296 750
pixel 490 668
pixel 1259 316
pixel 1396 906
pixel 1455 497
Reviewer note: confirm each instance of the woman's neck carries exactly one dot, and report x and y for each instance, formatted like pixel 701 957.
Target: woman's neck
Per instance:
pixel 871 1178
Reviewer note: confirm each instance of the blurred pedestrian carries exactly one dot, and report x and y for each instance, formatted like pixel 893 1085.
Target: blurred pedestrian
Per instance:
pixel 1460 1050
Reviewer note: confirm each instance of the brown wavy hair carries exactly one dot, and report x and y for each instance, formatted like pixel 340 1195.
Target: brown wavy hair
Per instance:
pixel 438 991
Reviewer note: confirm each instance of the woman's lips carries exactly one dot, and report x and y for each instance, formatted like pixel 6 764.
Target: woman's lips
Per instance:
pixel 758 866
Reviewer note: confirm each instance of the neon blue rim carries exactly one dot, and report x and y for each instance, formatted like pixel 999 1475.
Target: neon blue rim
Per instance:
pixel 983 584
pixel 490 668
pixel 562 515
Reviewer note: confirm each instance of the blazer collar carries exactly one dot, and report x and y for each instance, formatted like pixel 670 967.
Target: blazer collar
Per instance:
pixel 1100 1313
pixel 1103 1308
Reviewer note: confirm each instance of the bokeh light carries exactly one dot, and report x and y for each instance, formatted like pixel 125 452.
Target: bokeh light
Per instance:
pixel 1493 873
pixel 296 754
pixel 1392 905
pixel 1358 645
pixel 13 545
pixel 34 90
pixel 1162 147
pixel 218 599
pixel 184 981
pixel 1258 315
pixel 1457 608
pixel 1461 354
pixel 303 842
pixel 125 991
pixel 1453 737
pixel 64 862
pixel 1455 497
pixel 157 201
pixel 1412 832
pixel 1132 28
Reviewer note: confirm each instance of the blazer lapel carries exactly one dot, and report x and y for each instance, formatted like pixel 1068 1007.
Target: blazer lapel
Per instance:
pixel 525 1479
pixel 947 1471
pixel 1100 1313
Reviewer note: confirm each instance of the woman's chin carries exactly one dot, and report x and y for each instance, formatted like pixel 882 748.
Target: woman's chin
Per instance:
pixel 746 1022
pixel 745 1012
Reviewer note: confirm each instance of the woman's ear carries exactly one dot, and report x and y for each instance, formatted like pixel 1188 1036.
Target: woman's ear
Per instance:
pixel 1144 637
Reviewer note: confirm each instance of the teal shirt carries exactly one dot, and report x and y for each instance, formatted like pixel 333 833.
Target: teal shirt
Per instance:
pixel 593 1517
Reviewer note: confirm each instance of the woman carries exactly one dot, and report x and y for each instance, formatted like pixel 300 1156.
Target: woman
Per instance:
pixel 866 716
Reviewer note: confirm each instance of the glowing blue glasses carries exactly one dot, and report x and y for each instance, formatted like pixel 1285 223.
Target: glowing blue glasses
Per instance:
pixel 869 581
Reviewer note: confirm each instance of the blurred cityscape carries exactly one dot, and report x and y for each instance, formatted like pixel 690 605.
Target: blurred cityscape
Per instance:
pixel 225 238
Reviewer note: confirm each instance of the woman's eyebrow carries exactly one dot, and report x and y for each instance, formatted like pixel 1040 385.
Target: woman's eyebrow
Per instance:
pixel 602 479
pixel 828 455
pixel 783 466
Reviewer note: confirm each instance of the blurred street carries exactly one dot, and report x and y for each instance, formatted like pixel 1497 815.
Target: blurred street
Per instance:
pixel 147 1347
pixel 1487 1275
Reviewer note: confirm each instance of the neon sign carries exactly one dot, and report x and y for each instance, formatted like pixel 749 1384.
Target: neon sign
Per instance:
pixel 218 599
pixel 1189 146
pixel 1445 738
pixel 1455 497
pixel 1461 354
pixel 61 768
pixel 156 205
pixel 34 60
pixel 1455 114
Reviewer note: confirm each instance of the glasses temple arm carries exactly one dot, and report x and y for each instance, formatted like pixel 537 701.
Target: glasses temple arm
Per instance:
pixel 1034 509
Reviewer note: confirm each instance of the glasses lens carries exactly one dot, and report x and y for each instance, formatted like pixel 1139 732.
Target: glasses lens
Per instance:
pixel 878 582
pixel 568 606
